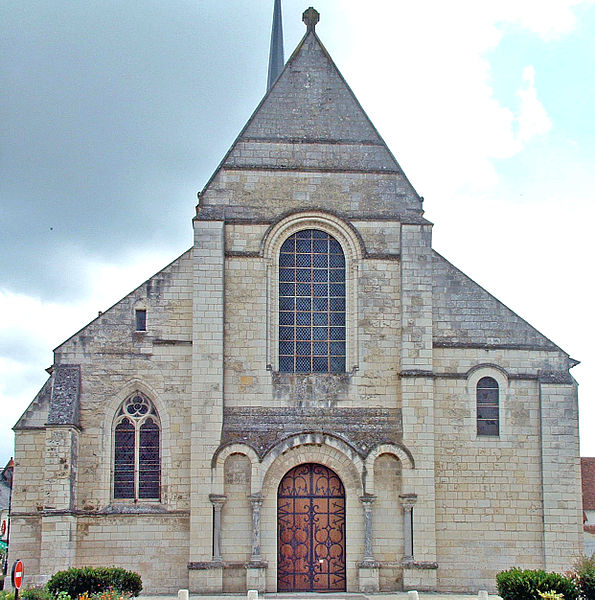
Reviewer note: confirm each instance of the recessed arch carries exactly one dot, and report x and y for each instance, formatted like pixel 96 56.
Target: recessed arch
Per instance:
pixel 400 452
pixel 352 250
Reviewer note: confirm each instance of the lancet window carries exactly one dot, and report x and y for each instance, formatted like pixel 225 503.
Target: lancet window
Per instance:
pixel 137 455
pixel 488 406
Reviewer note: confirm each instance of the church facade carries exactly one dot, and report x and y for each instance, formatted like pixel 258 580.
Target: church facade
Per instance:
pixel 310 398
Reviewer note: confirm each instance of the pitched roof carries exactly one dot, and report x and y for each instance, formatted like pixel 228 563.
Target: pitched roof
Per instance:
pixel 467 315
pixel 588 482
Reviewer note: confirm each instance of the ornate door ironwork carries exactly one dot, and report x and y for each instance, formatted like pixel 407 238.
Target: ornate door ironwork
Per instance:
pixel 311 531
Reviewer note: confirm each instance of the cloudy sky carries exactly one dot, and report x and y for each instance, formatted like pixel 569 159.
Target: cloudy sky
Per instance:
pixel 114 114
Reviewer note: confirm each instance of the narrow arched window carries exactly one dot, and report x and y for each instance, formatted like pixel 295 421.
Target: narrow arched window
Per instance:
pixel 137 456
pixel 488 406
pixel 311 304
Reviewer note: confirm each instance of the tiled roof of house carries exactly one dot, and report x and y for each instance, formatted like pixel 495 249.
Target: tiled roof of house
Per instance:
pixel 588 481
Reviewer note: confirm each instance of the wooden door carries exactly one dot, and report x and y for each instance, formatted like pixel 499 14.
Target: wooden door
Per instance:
pixel 311 530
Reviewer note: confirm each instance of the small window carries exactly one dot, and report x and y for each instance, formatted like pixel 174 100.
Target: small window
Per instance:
pixel 137 457
pixel 488 406
pixel 141 319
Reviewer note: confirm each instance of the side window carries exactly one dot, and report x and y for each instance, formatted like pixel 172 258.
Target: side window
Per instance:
pixel 488 406
pixel 141 319
pixel 312 336
pixel 137 456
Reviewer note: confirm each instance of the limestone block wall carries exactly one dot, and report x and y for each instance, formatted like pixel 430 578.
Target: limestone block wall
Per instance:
pixel 493 493
pixel 350 193
pixel 488 490
pixel 29 477
pixel 25 544
pixel 247 381
pixel 236 518
pixel 155 546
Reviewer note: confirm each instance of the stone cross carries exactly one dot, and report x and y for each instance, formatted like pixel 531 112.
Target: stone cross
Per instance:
pixel 310 18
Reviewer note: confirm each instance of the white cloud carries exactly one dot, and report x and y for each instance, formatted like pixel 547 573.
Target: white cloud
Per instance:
pixel 31 328
pixel 532 119
pixel 433 100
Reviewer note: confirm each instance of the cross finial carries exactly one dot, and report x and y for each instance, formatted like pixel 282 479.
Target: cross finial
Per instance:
pixel 310 18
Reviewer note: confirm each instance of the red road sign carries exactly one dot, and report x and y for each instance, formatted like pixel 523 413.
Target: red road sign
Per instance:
pixel 17 575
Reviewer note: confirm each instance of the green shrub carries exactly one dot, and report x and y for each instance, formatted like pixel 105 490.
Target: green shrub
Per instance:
pixel 583 573
pixel 36 594
pixel 91 580
pixel 518 584
pixel 6 595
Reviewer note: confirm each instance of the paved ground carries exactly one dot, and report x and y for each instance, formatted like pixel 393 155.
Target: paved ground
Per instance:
pixel 341 596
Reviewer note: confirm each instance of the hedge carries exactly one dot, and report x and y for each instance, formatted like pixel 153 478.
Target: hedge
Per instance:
pixel 91 580
pixel 517 584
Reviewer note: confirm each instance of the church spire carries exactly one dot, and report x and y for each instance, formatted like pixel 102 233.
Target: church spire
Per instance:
pixel 276 59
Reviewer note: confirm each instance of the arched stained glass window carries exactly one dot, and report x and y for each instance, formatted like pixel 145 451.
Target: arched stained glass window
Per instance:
pixel 137 457
pixel 488 406
pixel 311 304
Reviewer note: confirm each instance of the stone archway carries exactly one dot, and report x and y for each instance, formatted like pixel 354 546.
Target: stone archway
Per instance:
pixel 311 530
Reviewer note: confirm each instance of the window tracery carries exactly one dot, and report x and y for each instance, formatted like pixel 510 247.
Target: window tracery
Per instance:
pixel 137 455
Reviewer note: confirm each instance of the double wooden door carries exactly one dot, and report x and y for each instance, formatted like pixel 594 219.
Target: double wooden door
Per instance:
pixel 311 530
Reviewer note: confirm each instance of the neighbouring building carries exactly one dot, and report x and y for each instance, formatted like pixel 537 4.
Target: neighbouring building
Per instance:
pixel 5 495
pixel 588 482
pixel 310 398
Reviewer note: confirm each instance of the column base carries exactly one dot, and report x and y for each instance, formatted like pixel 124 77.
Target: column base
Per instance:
pixel 369 576
pixel 422 576
pixel 205 577
pixel 256 576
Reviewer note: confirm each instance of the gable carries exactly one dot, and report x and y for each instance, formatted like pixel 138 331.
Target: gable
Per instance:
pixel 309 122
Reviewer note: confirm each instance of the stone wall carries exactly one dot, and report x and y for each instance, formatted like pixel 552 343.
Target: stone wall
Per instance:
pixel 155 546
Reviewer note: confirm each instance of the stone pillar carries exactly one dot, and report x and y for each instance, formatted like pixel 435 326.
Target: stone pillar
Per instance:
pixel 58 523
pixel 367 502
pixel 561 483
pixel 205 576
pixel 369 569
pixel 407 502
pixel 256 567
pixel 256 502
pixel 417 397
pixel 217 502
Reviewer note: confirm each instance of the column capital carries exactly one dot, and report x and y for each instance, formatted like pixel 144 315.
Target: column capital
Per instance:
pixel 408 501
pixel 218 500
pixel 367 499
pixel 256 500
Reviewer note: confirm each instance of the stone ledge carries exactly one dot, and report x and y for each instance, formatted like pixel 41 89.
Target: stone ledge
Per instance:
pixel 421 565
pixel 226 564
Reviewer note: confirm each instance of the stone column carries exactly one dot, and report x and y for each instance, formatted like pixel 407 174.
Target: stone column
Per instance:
pixel 218 502
pixel 367 502
pixel 256 502
pixel 369 569
pixel 407 502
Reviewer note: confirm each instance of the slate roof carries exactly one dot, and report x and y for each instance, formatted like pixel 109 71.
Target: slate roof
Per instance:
pixel 588 482
pixel 466 315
